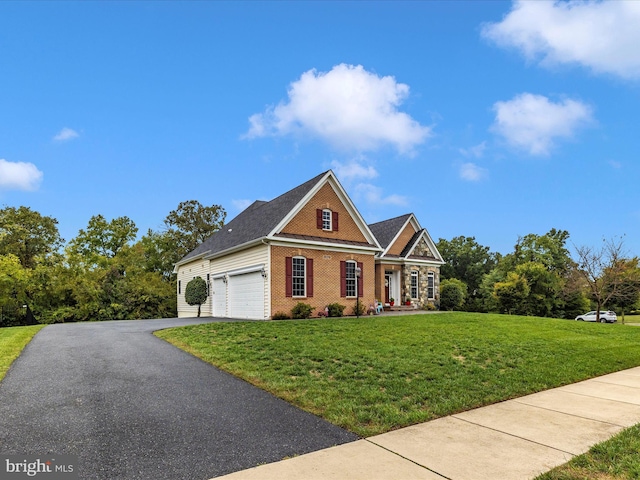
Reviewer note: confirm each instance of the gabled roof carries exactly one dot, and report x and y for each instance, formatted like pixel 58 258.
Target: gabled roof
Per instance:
pixel 255 222
pixel 264 220
pixel 387 230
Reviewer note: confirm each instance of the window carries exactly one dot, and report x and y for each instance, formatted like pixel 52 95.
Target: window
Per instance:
pixel 351 279
pixel 326 219
pixel 430 286
pixel 414 284
pixel 298 277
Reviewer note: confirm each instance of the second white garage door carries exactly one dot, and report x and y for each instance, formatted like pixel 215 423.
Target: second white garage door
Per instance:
pixel 246 295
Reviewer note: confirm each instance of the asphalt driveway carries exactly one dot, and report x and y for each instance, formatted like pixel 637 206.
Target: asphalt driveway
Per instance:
pixel 131 406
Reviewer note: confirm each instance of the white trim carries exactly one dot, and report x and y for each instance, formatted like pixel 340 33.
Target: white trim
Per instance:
pixel 200 256
pixel 250 269
pixel 416 227
pixel 235 249
pixel 336 247
pixel 330 212
pixel 304 277
pixel 330 178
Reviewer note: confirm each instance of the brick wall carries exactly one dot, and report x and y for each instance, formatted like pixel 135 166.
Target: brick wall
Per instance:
pixel 304 223
pixel 326 279
pixel 403 239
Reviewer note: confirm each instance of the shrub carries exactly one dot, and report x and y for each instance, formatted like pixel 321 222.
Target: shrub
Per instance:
pixel 335 309
pixel 359 308
pixel 301 310
pixel 196 292
pixel 280 316
pixel 452 294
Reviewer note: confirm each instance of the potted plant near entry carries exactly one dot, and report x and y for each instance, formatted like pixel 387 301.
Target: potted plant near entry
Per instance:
pixel 392 301
pixel 407 301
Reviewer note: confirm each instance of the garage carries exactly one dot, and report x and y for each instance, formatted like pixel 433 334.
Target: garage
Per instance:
pixel 219 298
pixel 246 295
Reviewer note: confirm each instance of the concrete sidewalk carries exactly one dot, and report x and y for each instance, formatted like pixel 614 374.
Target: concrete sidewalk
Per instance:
pixel 516 439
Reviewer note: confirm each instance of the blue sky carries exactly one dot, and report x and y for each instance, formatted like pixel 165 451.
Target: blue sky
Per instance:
pixel 485 119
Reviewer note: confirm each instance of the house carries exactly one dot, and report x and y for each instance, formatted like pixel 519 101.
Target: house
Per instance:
pixel 309 245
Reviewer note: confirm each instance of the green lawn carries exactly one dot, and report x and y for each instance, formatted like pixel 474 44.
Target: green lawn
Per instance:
pixel 615 459
pixel 375 374
pixel 12 341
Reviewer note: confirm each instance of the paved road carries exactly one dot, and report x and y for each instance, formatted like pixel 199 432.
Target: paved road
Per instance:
pixel 131 406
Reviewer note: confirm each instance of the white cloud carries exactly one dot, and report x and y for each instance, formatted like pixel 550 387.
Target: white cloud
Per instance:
pixel 475 151
pixel 533 122
pixel 472 172
pixel 600 35
pixel 348 107
pixel 241 204
pixel 353 170
pixel 65 135
pixel 19 176
pixel 373 195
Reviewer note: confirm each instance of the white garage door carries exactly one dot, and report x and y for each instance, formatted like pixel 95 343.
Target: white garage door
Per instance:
pixel 219 298
pixel 246 296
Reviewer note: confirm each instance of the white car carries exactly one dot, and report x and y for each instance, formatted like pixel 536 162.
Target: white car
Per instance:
pixel 608 317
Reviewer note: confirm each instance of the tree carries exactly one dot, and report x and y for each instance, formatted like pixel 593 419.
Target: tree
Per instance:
pixel 452 294
pixel 196 292
pixel 28 235
pixel 468 261
pixel 191 224
pixel 14 282
pixel 103 239
pixel 512 293
pixel 605 270
pixel 548 249
pixel 628 288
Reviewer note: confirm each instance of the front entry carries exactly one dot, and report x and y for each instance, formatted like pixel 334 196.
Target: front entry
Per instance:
pixel 388 289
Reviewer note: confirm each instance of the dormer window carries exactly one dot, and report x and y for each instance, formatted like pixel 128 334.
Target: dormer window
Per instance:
pixel 326 220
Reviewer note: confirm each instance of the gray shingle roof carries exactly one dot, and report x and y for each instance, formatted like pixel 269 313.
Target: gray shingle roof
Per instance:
pixel 409 246
pixel 386 230
pixel 255 222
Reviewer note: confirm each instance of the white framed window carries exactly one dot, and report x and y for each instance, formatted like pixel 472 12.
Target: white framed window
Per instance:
pixel 351 278
pixel 299 277
pixel 430 286
pixel 326 219
pixel 414 284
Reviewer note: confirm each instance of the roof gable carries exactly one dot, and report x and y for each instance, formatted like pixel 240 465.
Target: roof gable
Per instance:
pixel 393 236
pixel 263 220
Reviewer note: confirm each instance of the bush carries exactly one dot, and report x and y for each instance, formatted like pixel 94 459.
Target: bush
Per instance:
pixel 301 310
pixel 196 292
pixel 452 294
pixel 280 316
pixel 335 309
pixel 359 308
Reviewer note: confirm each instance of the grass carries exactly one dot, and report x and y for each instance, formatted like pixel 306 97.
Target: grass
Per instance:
pixel 614 459
pixel 375 374
pixel 12 342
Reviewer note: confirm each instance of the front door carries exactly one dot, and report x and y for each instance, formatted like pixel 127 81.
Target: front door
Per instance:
pixel 387 287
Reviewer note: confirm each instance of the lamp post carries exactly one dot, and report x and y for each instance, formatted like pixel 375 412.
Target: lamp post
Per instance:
pixel 358 273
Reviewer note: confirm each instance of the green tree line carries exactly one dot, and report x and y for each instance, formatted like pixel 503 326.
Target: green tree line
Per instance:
pixel 105 273
pixel 539 277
